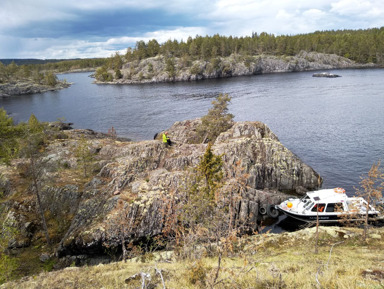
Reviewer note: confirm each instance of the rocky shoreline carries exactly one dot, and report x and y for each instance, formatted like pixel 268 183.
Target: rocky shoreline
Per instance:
pixel 156 69
pixel 28 87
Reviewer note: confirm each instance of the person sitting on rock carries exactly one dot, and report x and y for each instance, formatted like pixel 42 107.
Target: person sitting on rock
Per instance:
pixel 166 139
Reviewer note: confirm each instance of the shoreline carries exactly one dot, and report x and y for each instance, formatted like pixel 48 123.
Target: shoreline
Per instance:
pixel 147 81
pixel 9 90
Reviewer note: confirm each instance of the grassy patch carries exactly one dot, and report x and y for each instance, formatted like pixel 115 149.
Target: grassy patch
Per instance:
pixel 277 261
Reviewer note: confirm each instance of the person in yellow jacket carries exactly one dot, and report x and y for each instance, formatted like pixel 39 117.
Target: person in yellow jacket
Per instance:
pixel 166 139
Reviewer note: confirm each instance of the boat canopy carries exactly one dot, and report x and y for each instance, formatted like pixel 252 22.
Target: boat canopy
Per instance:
pixel 328 196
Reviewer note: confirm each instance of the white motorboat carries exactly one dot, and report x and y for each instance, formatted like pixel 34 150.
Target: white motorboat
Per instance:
pixel 325 74
pixel 327 205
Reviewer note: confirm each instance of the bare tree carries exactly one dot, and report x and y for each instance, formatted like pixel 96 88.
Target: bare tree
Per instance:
pixel 35 171
pixel 371 189
pixel 33 149
pixel 120 224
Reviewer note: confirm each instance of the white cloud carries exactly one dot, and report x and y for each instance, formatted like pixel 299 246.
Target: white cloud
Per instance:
pixel 272 16
pixel 351 7
pixel 314 14
pixel 284 15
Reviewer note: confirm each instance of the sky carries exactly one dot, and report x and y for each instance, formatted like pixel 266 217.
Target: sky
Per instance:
pixel 65 29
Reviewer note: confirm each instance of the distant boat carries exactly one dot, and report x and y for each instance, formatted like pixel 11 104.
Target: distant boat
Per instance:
pixel 325 74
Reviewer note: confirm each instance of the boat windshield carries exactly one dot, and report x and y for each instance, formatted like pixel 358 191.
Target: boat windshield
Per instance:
pixel 305 199
pixel 308 205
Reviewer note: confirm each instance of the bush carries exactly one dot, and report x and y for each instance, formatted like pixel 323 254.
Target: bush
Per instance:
pixel 118 74
pixel 7 267
pixel 197 274
pixel 50 78
pixel 150 67
pixel 102 74
pixel 195 69
pixel 7 264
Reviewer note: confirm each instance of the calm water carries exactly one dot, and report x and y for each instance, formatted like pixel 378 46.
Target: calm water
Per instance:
pixel 335 125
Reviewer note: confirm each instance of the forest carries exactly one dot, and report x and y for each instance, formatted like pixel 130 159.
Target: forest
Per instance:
pixel 363 46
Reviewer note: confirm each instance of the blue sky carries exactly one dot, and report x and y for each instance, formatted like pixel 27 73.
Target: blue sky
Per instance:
pixel 95 28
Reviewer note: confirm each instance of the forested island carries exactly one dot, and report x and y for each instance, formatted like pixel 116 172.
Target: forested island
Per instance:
pixel 206 57
pixel 221 56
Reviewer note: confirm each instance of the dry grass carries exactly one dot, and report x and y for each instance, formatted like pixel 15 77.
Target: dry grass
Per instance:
pixel 265 261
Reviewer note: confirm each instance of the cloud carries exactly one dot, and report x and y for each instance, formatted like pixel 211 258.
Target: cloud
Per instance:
pixel 51 48
pixel 352 7
pixel 314 14
pixel 14 14
pixel 96 28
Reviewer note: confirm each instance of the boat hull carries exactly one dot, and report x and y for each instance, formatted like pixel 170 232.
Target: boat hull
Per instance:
pixel 328 218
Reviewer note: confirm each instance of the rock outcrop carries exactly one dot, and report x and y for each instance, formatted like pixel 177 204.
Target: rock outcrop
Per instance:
pixel 28 87
pixel 137 181
pixel 146 175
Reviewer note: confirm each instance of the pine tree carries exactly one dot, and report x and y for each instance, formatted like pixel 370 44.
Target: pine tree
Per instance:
pixel 203 190
pixel 84 156
pixel 217 120
pixel 170 68
pixel 210 170
pixel 34 126
pixel 9 134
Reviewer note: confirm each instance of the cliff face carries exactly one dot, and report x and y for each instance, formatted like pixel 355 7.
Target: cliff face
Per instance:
pixel 137 183
pixel 155 69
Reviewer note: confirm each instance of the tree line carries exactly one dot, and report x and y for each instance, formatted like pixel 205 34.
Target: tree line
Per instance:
pixel 363 46
pixel 13 73
pixel 44 73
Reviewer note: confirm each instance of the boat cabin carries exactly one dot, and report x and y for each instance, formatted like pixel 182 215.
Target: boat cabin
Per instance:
pixel 333 200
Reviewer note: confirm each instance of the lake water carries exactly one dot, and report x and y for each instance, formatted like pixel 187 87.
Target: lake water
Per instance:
pixel 335 125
